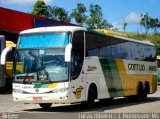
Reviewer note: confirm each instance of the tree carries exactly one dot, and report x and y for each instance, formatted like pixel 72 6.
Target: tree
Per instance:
pixel 40 9
pixel 58 13
pixel 125 25
pixel 96 20
pixel 154 24
pixel 158 48
pixel 79 14
pixel 105 25
pixel 145 22
pixel 96 16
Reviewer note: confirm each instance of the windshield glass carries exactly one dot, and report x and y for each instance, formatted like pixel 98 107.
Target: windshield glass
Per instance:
pixel 43 40
pixel 40 65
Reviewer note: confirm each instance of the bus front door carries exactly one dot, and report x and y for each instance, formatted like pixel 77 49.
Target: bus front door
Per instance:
pixel 78 77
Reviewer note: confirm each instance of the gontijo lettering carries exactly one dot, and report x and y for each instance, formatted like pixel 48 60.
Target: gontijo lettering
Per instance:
pixel 136 67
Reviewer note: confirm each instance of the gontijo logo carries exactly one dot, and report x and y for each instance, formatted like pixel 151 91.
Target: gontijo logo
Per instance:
pixel 78 92
pixel 136 67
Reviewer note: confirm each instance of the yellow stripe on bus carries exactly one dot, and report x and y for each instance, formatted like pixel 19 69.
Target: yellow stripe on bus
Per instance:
pixel 130 81
pixel 52 85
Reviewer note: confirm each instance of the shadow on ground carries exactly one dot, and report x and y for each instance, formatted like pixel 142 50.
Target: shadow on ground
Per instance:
pixel 5 91
pixel 99 106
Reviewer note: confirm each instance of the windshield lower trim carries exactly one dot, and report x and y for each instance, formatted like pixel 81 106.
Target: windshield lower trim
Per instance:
pixel 40 48
pixel 37 82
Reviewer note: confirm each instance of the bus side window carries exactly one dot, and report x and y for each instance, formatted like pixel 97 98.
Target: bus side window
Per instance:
pixel 153 53
pixel 77 54
pixel 135 51
pixel 104 46
pixel 116 51
pixel 92 48
pixel 126 50
pixel 149 53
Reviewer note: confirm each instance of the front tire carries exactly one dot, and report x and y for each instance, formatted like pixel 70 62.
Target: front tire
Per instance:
pixel 91 98
pixel 45 105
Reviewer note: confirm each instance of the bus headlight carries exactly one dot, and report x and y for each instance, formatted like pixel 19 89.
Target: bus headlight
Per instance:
pixel 60 90
pixel 17 91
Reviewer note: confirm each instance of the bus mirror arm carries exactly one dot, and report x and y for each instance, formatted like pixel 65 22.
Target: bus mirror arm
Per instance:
pixel 4 54
pixel 68 50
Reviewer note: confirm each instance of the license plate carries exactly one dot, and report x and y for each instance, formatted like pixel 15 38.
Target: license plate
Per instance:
pixel 37 99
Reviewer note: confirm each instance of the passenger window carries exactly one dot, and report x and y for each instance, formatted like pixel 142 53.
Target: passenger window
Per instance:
pixel 92 44
pixel 126 50
pixel 116 51
pixel 135 51
pixel 77 53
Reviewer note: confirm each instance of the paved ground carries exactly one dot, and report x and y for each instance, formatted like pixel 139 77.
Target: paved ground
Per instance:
pixel 7 104
pixel 122 105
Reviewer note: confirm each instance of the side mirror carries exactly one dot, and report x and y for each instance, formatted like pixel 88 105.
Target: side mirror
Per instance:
pixel 4 54
pixel 68 50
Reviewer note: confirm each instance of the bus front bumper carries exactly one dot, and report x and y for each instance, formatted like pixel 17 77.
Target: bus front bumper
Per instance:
pixel 61 98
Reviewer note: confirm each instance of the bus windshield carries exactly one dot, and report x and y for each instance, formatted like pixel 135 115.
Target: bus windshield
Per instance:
pixel 58 39
pixel 40 65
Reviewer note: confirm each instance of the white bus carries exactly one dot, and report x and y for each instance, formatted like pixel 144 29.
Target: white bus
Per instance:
pixel 68 64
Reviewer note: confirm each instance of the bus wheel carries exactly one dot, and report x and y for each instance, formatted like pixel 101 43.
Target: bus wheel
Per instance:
pixel 140 93
pixel 91 98
pixel 146 91
pixel 45 105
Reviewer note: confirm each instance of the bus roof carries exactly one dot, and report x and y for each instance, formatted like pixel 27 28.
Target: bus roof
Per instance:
pixel 134 40
pixel 121 36
pixel 76 28
pixel 53 29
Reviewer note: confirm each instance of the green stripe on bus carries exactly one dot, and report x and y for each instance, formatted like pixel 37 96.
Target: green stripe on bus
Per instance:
pixel 116 77
pixel 37 86
pixel 40 86
pixel 112 76
pixel 44 86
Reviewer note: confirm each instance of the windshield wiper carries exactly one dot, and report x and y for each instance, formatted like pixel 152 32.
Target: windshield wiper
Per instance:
pixel 25 77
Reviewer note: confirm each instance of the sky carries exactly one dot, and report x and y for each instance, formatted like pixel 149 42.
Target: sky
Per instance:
pixel 115 11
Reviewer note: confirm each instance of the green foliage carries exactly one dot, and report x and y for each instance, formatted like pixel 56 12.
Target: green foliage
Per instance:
pixel 125 25
pixel 79 14
pixel 154 24
pixel 145 21
pixel 96 16
pixel 59 13
pixel 150 23
pixel 95 20
pixel 158 49
pixel 40 9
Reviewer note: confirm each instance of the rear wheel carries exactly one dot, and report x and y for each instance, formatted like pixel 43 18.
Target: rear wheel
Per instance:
pixel 140 93
pixel 45 105
pixel 146 91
